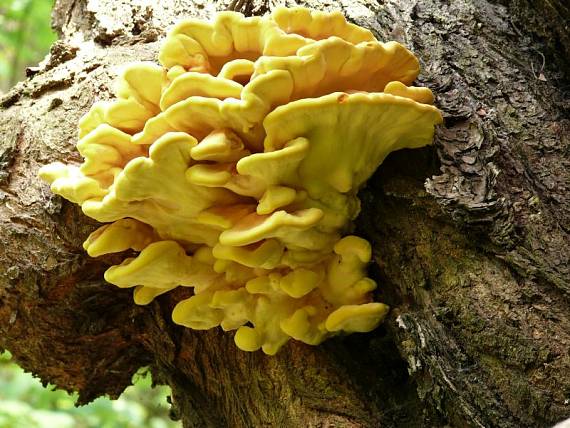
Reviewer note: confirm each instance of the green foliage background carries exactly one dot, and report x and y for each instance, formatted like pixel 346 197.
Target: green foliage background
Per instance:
pixel 25 39
pixel 25 403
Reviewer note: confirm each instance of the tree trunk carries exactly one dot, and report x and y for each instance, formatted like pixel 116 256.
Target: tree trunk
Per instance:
pixel 471 236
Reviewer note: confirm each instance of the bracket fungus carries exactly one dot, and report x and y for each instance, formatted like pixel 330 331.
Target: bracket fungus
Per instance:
pixel 233 168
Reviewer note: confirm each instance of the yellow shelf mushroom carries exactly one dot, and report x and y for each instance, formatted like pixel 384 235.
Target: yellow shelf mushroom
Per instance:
pixel 233 168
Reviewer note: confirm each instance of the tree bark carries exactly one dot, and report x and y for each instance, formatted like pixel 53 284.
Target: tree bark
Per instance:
pixel 471 236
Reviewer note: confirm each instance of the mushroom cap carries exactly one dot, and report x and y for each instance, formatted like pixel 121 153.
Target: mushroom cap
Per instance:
pixel 348 135
pixel 234 168
pixel 318 25
pixel 266 255
pixel 192 84
pixel 154 190
pixel 122 235
pixel 107 150
pixel 357 318
pixel 207 46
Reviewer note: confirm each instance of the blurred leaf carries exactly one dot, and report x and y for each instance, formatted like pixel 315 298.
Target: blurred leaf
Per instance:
pixel 25 37
pixel 25 403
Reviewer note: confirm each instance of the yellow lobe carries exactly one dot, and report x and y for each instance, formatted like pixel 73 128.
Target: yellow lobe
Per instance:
pixel 275 197
pixel 299 282
pixel 143 82
pixel 247 339
pixel 162 264
pixel 279 166
pixel 236 306
pixel 68 182
pixel 119 236
pixel 144 295
pixel 357 318
pixel 127 115
pixel 254 228
pixel 303 327
pixel 319 25
pixel 354 247
pixel 234 168
pixel 182 50
pixel 225 216
pixel 267 255
pixel 239 70
pixel 419 94
pixel 196 313
pixel 220 146
pixel 334 65
pixel 346 273
pixel 106 149
pixel 268 284
pixel 192 84
pixel 348 136
pixel 216 175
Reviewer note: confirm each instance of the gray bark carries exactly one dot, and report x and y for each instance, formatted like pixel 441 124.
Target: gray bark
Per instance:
pixel 470 237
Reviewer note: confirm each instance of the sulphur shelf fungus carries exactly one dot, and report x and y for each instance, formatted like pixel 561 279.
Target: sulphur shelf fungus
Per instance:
pixel 233 168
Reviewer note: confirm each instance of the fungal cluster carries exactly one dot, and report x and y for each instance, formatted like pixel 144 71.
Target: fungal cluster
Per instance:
pixel 233 168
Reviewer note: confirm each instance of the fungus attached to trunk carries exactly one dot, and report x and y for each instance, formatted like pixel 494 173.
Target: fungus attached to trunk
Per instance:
pixel 234 166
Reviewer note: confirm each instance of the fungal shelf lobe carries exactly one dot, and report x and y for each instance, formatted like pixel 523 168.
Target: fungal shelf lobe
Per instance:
pixel 233 168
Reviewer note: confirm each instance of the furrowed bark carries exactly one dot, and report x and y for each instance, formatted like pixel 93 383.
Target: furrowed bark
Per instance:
pixel 470 237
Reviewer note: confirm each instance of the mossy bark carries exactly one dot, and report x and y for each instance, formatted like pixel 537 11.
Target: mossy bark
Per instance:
pixel 470 237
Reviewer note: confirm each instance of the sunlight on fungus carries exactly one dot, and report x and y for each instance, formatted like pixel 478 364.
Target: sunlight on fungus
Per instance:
pixel 234 166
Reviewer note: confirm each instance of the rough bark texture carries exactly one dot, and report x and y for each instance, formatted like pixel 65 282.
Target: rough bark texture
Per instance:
pixel 470 237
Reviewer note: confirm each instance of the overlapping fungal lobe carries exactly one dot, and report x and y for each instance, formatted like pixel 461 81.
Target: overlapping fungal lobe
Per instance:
pixel 233 168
